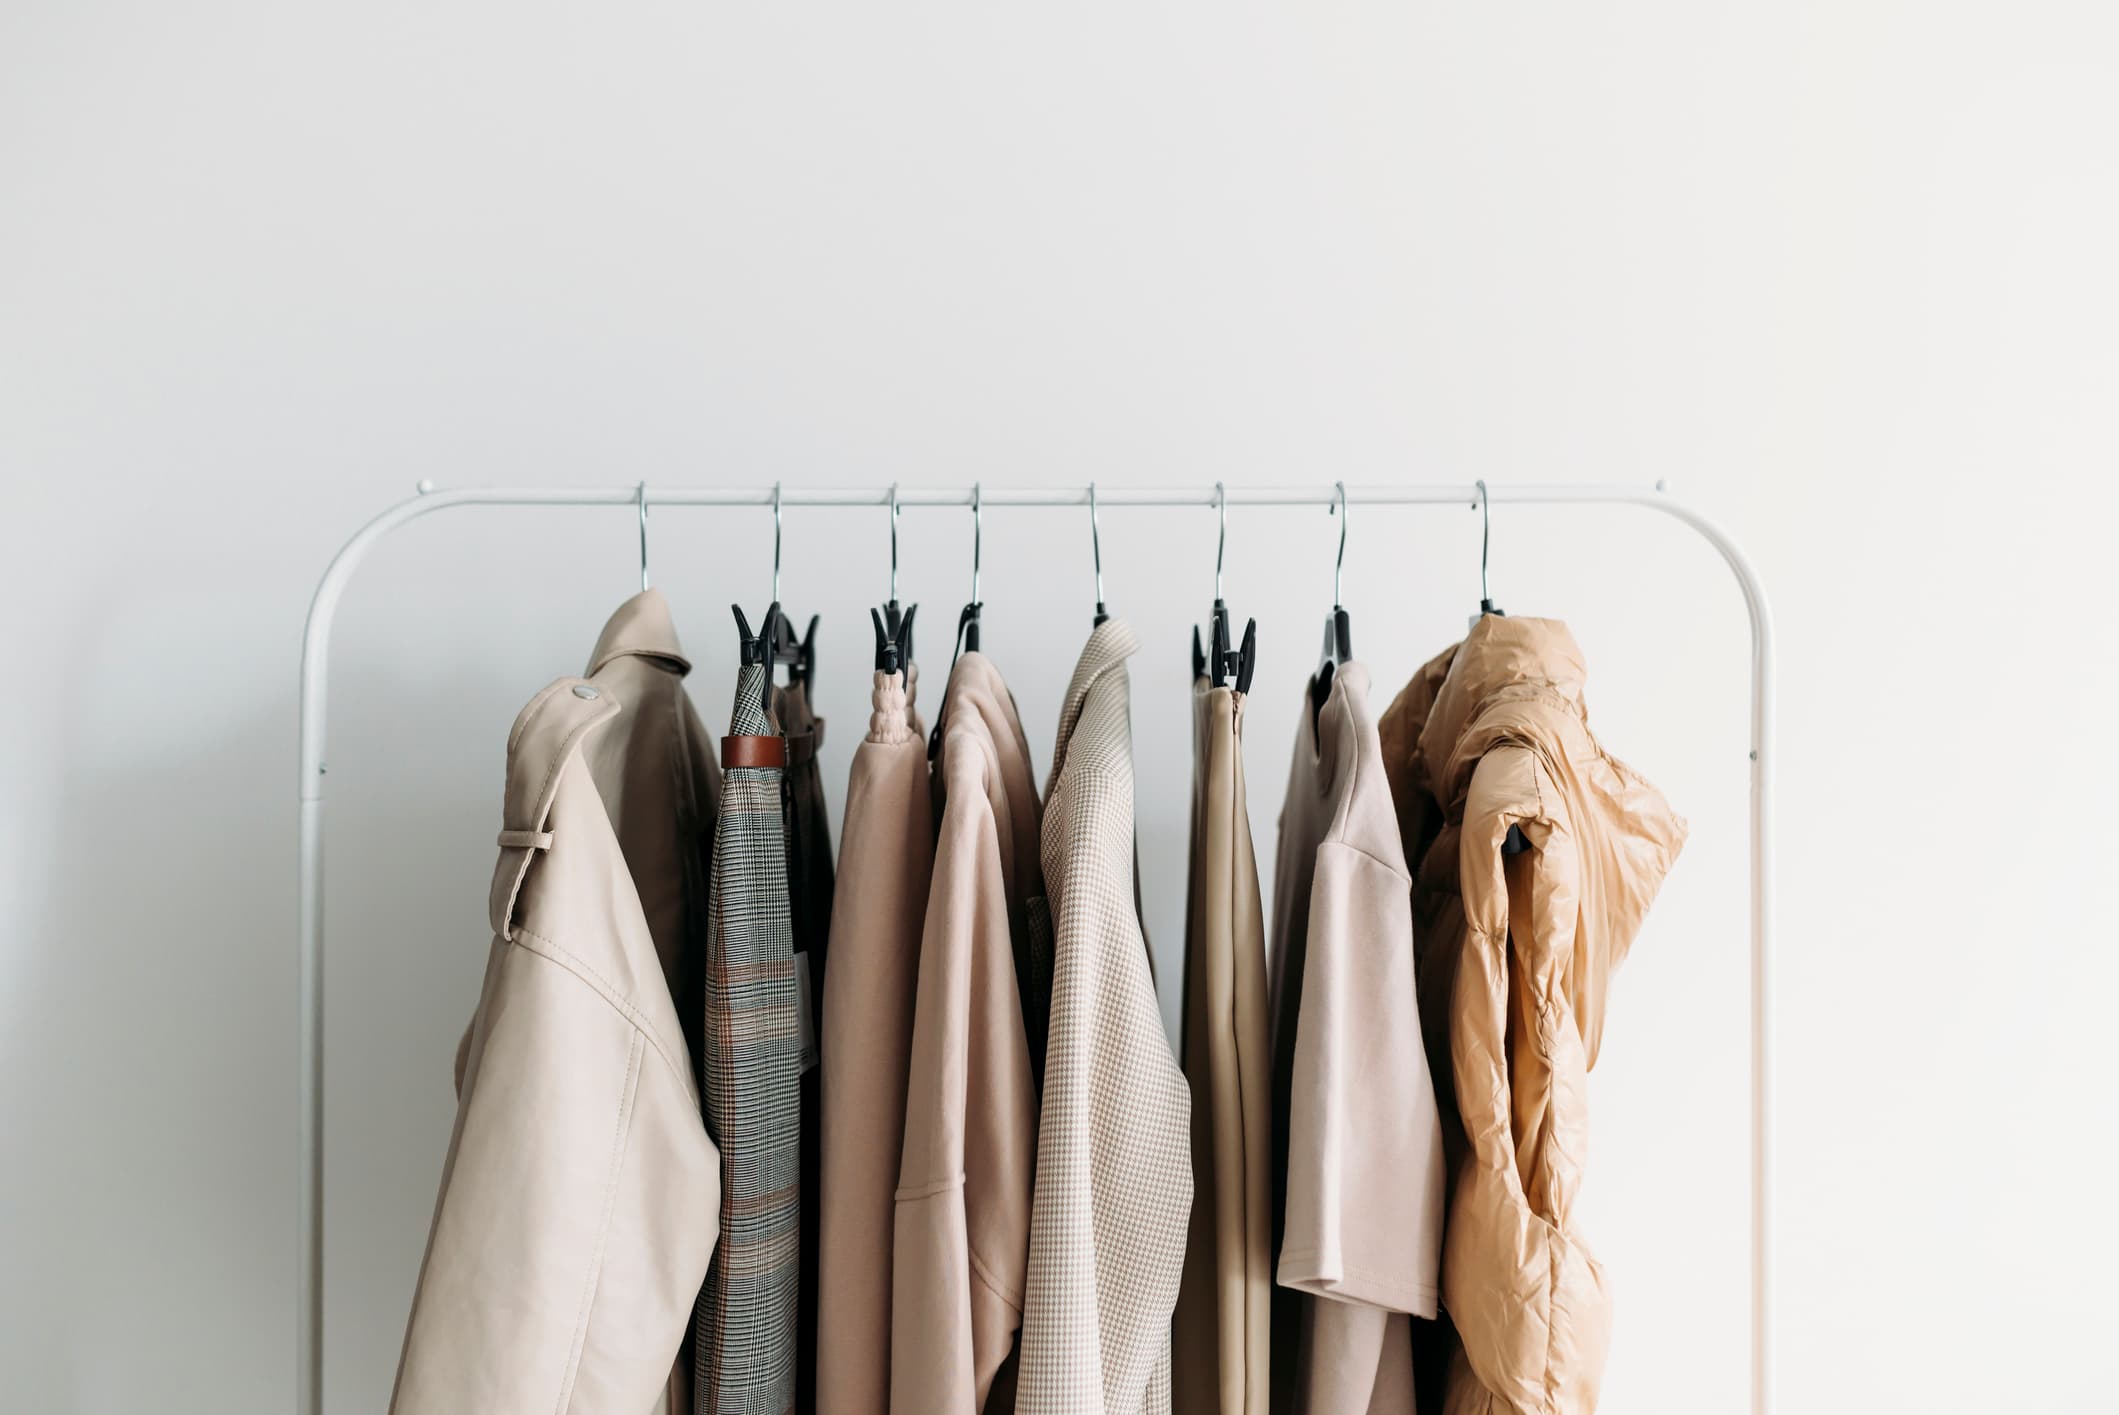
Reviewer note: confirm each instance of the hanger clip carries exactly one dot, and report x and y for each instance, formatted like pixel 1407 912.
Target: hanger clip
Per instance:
pixel 756 649
pixel 799 655
pixel 893 636
pixel 1226 662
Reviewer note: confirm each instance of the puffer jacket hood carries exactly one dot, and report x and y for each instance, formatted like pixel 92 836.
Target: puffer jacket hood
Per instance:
pixel 1519 682
pixel 1520 946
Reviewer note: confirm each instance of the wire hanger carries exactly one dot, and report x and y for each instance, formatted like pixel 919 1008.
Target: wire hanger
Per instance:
pixel 1225 660
pixel 1513 843
pixel 1338 626
pixel 1096 551
pixel 1484 506
pixel 799 655
pixel 893 627
pixel 967 624
pixel 641 492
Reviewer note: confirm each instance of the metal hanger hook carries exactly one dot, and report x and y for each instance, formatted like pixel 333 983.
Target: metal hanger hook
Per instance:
pixel 1221 542
pixel 1339 565
pixel 978 537
pixel 1486 531
pixel 893 542
pixel 776 543
pixel 641 492
pixel 1096 546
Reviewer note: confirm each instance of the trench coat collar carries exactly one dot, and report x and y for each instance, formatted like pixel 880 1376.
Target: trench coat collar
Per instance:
pixel 642 625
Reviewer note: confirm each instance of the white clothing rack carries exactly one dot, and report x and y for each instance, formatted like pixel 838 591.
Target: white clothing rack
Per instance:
pixel 316 663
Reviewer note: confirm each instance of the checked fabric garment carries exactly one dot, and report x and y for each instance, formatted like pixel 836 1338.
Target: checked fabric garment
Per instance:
pixel 1113 1193
pixel 749 1063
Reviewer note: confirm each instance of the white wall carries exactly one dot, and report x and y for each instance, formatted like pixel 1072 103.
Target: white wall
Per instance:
pixel 1841 272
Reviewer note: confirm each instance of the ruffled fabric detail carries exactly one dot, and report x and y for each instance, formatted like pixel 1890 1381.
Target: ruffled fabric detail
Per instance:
pixel 889 715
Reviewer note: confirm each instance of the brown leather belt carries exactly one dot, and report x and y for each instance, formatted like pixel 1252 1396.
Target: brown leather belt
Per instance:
pixel 753 752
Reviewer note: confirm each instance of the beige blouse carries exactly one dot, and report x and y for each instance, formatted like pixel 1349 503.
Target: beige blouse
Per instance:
pixel 1361 1231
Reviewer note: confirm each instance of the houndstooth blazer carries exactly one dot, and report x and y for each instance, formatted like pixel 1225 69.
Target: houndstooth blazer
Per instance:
pixel 1114 1170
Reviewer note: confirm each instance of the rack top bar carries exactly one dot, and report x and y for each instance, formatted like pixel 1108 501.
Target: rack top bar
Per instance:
pixel 1322 494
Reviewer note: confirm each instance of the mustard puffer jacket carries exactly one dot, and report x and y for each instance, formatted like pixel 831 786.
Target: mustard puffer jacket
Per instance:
pixel 1516 947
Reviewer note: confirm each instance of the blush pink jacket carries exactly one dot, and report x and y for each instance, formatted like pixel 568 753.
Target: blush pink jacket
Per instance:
pixel 962 1235
pixel 886 857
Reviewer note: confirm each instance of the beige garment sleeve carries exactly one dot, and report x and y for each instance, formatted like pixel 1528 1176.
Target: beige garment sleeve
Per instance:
pixel 1365 1177
pixel 886 856
pixel 1365 1169
pixel 962 1231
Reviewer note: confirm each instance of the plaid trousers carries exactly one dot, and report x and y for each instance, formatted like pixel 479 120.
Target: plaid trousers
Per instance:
pixel 744 1328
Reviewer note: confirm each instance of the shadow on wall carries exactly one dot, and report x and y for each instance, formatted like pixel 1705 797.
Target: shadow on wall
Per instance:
pixel 152 1045
pixel 150 1050
pixel 412 813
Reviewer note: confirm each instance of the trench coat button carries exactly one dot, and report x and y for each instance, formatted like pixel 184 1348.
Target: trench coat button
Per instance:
pixel 583 690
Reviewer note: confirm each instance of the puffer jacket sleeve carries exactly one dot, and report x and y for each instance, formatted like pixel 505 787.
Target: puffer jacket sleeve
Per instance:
pixel 1531 1303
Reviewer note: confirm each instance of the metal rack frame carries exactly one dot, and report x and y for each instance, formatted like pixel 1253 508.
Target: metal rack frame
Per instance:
pixel 316 664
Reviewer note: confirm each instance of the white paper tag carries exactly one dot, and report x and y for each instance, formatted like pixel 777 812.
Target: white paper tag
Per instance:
pixel 805 1024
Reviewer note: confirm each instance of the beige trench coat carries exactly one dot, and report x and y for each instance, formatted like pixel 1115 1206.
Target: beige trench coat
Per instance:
pixel 579 1198
pixel 1114 1163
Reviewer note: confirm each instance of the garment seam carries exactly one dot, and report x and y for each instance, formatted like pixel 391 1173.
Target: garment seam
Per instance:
pixel 628 1096
pixel 529 714
pixel 560 956
pixel 1239 835
pixel 1396 871
pixel 913 1193
pixel 1552 1312
pixel 557 765
pixel 986 1279
pixel 1368 1276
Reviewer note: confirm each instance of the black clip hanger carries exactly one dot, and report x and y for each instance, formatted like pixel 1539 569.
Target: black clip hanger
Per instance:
pixel 1338 626
pixel 1224 661
pixel 797 655
pixel 893 625
pixel 893 636
pixel 756 649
